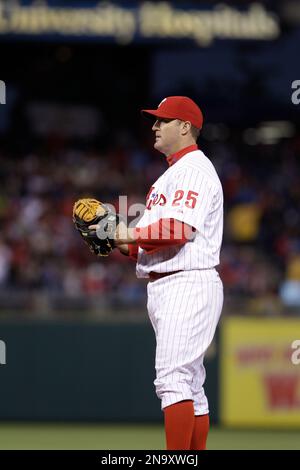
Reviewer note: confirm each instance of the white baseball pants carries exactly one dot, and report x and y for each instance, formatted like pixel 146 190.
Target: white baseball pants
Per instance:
pixel 184 309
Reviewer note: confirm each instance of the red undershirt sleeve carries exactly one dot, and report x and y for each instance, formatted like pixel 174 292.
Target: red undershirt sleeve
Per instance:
pixel 162 234
pixel 133 251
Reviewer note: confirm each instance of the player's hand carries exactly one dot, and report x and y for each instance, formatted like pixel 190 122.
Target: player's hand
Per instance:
pixel 124 249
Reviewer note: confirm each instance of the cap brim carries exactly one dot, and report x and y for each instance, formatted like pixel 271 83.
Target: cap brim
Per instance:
pixel 150 113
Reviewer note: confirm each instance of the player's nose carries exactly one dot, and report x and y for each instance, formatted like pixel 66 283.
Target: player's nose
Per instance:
pixel 155 126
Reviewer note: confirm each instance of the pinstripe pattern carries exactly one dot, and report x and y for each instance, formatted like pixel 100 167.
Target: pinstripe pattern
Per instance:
pixel 184 309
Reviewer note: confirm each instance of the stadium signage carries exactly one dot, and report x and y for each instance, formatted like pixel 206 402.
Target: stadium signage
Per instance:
pixel 145 22
pixel 260 363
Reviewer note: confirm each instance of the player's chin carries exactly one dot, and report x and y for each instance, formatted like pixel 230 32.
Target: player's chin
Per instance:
pixel 158 146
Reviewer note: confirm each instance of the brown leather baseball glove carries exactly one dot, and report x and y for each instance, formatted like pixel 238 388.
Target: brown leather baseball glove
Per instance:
pixel 88 212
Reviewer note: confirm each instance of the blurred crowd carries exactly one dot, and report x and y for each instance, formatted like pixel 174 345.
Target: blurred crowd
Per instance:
pixel 41 253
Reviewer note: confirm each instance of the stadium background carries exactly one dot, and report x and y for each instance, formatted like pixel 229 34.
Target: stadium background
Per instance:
pixel 77 350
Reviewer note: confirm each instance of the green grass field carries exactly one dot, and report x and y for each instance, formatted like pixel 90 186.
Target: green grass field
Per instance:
pixel 134 437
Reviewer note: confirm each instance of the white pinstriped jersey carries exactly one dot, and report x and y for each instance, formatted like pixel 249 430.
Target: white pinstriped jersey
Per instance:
pixel 189 191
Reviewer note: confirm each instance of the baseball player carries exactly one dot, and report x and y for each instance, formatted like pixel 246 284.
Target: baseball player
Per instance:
pixel 177 245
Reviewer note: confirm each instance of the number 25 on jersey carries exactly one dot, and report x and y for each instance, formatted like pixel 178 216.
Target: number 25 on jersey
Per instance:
pixel 190 198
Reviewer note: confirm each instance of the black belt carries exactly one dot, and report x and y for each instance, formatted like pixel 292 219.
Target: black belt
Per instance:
pixel 154 276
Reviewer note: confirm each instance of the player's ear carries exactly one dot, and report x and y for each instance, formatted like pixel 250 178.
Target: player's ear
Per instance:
pixel 186 127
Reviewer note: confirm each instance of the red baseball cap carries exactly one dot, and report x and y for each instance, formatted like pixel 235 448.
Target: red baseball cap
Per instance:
pixel 177 107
